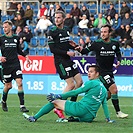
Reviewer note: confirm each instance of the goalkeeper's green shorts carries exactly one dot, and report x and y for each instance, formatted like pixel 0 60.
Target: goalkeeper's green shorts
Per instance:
pixel 76 109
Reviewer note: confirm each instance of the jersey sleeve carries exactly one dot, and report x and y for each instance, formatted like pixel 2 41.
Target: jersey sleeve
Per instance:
pixel 84 88
pixel 118 53
pixel 105 108
pixel 52 45
pixel 91 47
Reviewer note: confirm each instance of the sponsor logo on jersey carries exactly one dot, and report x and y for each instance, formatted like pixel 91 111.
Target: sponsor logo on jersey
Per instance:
pixel 10 44
pixel 64 39
pixel 60 34
pixel 102 47
pixel 5 40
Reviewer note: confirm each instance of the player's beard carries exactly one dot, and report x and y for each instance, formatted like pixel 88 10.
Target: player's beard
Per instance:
pixel 60 24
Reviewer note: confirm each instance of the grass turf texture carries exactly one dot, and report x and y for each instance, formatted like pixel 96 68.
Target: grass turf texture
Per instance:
pixel 13 121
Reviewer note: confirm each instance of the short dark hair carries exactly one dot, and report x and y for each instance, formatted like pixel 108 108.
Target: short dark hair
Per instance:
pixel 107 25
pixel 96 68
pixel 61 12
pixel 9 22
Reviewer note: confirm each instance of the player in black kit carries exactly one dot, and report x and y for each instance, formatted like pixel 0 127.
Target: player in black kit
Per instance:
pixel 106 49
pixel 59 43
pixel 9 44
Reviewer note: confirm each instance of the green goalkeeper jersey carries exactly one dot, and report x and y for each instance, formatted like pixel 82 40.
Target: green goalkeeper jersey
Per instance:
pixel 95 95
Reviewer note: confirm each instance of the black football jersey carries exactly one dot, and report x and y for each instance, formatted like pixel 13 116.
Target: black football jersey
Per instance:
pixel 58 41
pixel 10 48
pixel 105 53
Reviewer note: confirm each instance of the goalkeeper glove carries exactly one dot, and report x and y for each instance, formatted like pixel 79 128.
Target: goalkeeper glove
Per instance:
pixel 51 97
pixel 109 121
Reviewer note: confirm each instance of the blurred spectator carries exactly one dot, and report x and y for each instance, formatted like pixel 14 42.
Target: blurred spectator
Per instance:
pixel 0 14
pixel 19 21
pixel 111 11
pixel 85 11
pixel 76 13
pixel 129 43
pixel 42 26
pixel 126 36
pixel 124 9
pixel 91 27
pixel 12 8
pixel 50 13
pixel 19 31
pixel 42 11
pixel 116 22
pixel 81 43
pixel 116 25
pixel 99 22
pixel 131 16
pixel 25 39
pixel 28 15
pixel 69 22
pixel 83 26
pixel 19 11
pixel 109 20
pixel 58 7
pixel 126 20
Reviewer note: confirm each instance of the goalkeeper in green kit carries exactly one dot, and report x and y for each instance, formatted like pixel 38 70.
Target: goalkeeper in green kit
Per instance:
pixel 84 110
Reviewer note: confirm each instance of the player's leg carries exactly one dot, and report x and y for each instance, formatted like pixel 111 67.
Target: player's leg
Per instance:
pixel 7 87
pixel 78 82
pixel 21 95
pixel 17 76
pixel 109 83
pixel 115 101
pixel 60 104
pixel 44 110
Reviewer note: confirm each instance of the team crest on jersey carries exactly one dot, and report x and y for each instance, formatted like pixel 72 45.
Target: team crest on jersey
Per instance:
pixel 15 40
pixel 113 47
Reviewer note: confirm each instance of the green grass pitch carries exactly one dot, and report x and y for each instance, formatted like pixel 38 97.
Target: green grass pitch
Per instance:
pixel 13 121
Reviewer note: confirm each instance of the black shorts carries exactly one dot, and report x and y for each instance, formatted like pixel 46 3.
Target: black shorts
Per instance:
pixel 107 79
pixel 12 73
pixel 66 69
pixel 1 74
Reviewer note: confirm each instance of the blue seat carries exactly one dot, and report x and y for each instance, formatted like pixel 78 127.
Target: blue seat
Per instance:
pixel 41 51
pixel 4 18
pixel 43 41
pixel 49 52
pixel 93 38
pixel 75 30
pixel 34 42
pixel 126 51
pixel 76 39
pixel 32 51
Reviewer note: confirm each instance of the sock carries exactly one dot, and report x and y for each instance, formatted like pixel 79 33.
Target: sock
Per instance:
pixel 44 110
pixel 21 97
pixel 4 96
pixel 74 98
pixel 115 101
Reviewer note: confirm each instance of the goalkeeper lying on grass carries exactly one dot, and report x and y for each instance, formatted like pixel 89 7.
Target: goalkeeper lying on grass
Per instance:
pixel 84 110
